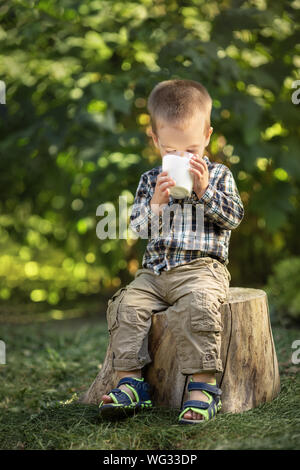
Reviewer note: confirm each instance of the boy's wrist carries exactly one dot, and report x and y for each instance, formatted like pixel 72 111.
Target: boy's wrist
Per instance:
pixel 200 193
pixel 156 208
pixel 206 194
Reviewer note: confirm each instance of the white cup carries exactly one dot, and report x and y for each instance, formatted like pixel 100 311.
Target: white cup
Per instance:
pixel 178 168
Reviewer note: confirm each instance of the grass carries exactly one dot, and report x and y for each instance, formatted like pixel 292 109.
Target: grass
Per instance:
pixel 50 364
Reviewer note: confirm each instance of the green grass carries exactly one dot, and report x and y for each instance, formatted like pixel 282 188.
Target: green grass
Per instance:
pixel 49 365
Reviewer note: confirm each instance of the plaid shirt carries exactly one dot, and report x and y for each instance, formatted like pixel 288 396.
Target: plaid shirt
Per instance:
pixel 221 208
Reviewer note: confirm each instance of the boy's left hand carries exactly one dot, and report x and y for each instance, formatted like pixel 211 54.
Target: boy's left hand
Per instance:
pixel 199 170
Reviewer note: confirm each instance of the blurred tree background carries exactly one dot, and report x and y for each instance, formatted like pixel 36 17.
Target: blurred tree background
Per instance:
pixel 74 136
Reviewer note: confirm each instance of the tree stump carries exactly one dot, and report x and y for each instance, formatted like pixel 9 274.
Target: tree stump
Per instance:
pixel 250 374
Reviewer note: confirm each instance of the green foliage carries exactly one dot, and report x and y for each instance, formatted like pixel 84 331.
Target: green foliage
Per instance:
pixel 283 290
pixel 77 78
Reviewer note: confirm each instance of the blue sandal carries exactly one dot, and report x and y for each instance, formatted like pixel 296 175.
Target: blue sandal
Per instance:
pixel 123 403
pixel 207 409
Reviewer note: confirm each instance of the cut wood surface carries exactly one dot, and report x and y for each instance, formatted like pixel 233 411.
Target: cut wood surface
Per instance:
pixel 250 374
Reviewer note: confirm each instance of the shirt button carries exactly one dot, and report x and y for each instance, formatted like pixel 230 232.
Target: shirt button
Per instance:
pixel 215 265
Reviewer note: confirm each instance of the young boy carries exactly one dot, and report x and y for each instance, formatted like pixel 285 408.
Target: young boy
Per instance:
pixel 189 283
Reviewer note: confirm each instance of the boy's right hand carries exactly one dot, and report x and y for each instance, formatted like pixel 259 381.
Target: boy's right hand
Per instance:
pixel 162 193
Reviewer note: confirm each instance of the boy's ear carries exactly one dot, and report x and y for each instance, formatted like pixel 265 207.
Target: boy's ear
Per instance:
pixel 154 137
pixel 209 133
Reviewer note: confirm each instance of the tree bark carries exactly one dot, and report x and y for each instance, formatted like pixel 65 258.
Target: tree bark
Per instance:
pixel 250 369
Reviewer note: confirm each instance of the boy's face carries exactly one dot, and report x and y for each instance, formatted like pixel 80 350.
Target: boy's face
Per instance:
pixel 192 139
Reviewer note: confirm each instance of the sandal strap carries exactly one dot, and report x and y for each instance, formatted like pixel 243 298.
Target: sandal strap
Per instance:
pixel 202 405
pixel 209 410
pixel 141 387
pixel 121 396
pixel 214 390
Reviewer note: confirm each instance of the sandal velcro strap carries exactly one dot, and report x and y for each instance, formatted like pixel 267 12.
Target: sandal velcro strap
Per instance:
pixel 124 404
pixel 202 405
pixel 121 396
pixel 141 387
pixel 204 386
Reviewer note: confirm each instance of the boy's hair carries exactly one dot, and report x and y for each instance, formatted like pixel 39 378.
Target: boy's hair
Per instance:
pixel 177 101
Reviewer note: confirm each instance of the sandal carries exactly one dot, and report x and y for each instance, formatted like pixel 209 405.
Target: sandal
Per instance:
pixel 207 409
pixel 123 403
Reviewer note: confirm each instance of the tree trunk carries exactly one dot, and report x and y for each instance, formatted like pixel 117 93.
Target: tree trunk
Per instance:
pixel 250 374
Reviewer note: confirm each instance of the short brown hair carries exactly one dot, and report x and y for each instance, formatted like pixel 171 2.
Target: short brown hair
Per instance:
pixel 177 101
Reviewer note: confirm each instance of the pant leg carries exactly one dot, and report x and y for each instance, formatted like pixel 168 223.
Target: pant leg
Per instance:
pixel 196 292
pixel 129 319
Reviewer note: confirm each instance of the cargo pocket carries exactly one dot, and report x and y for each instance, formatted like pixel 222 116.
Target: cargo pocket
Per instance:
pixel 204 312
pixel 113 307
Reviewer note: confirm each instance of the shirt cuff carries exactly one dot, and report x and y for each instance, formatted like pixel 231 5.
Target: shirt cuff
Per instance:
pixel 208 195
pixel 151 211
pixel 154 216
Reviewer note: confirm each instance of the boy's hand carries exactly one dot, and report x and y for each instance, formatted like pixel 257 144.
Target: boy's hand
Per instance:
pixel 162 193
pixel 200 174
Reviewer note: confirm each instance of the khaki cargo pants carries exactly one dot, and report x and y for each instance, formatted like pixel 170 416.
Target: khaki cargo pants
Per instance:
pixel 191 295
